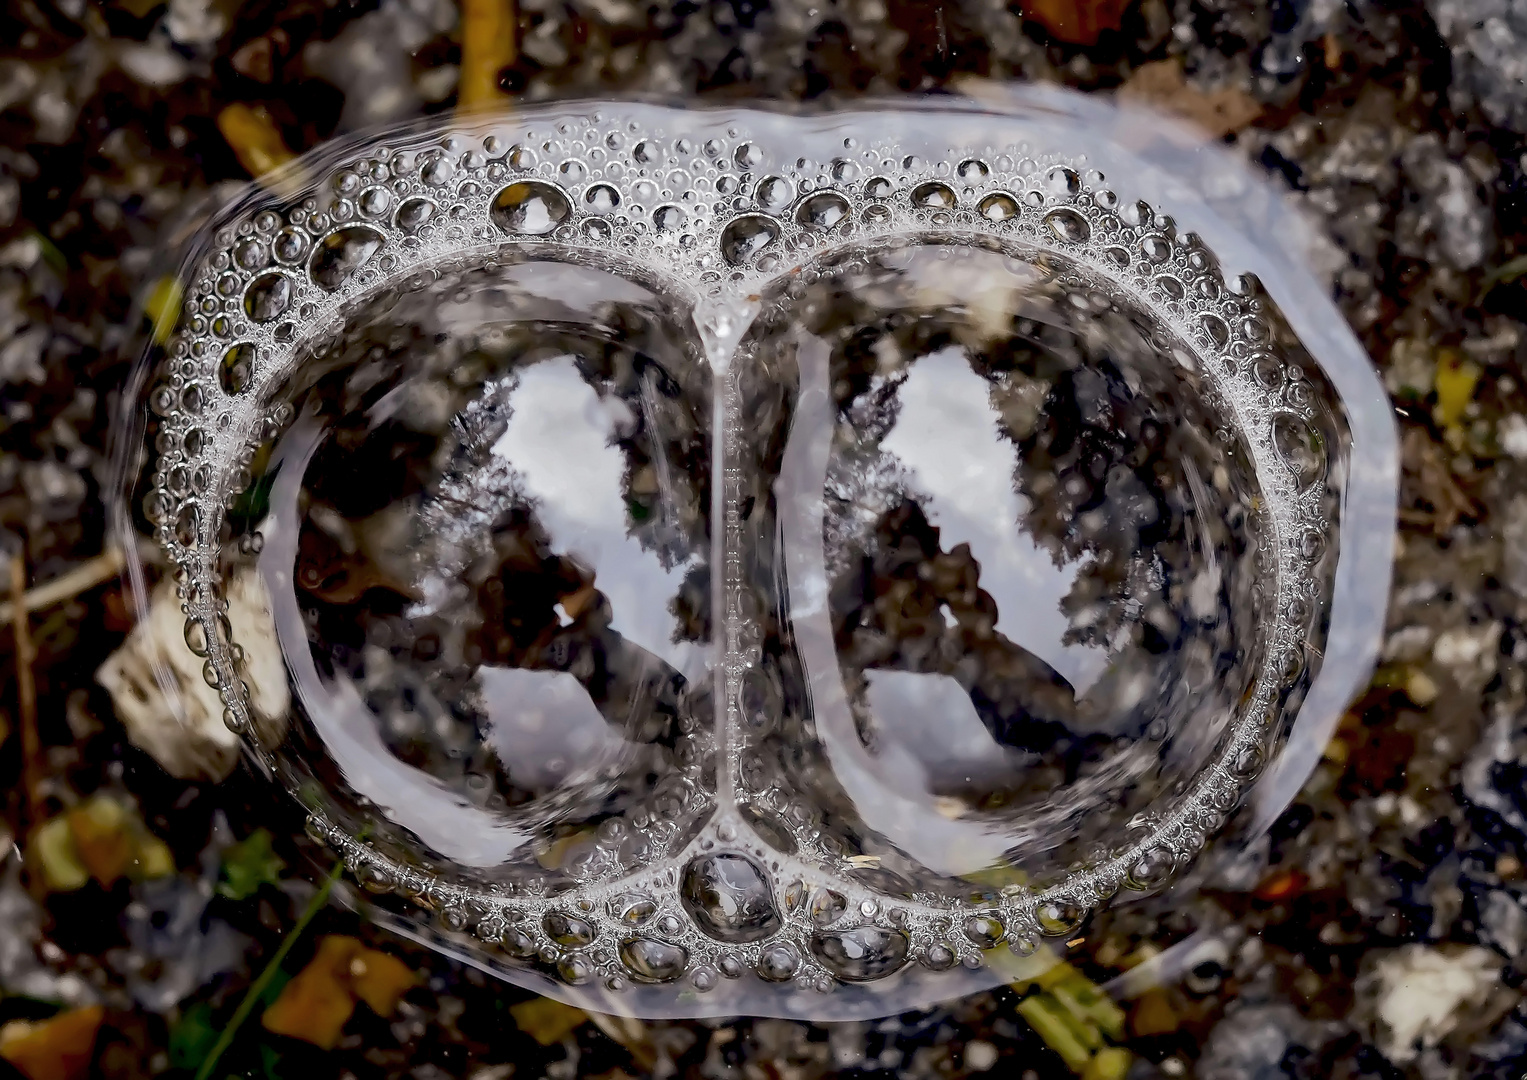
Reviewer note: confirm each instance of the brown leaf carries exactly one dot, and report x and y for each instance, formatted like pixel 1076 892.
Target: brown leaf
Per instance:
pixel 1219 112
pixel 316 1005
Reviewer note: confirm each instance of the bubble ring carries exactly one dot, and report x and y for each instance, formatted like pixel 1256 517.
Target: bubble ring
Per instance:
pixel 248 314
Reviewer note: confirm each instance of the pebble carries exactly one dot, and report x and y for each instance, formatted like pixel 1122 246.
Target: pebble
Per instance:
pixel 1419 991
pixel 187 736
pixel 980 1055
pixel 1489 44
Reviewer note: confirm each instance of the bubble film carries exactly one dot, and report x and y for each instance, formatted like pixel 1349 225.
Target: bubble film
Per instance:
pixel 727 562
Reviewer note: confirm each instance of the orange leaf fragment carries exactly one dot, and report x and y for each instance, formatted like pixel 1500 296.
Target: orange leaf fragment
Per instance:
pixel 56 1049
pixel 1154 1014
pixel 1283 886
pixel 1078 22
pixel 317 1003
pixel 380 980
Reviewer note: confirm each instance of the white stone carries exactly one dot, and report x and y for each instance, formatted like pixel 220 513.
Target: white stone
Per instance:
pixel 980 1055
pixel 1513 435
pixel 1420 990
pixel 168 709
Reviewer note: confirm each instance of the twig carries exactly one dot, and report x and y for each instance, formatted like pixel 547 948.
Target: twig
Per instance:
pixel 252 995
pixel 97 571
pixel 26 692
pixel 489 43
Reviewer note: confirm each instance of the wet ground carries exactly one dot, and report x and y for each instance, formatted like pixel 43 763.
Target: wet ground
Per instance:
pixel 1381 929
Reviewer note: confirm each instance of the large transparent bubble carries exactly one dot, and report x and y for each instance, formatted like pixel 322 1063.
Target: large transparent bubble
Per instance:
pixel 721 562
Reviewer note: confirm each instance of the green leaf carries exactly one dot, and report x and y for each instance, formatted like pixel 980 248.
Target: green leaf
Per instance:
pixel 248 865
pixel 193 1037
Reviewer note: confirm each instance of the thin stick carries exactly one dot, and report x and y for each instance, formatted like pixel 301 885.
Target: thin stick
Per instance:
pixel 489 43
pixel 252 995
pixel 26 693
pixel 87 575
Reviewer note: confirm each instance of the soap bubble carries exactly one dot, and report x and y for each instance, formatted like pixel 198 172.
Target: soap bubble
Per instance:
pixel 845 590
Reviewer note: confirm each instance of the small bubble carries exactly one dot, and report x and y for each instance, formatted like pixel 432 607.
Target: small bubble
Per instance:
pixel 601 198
pixel 748 156
pixel 413 213
pixel 375 201
pixel 237 368
pixel 746 236
pixel 668 218
pixel 823 210
pixel 775 192
pixel 998 206
pixel 972 171
pixel 290 245
pixel 1063 182
pixel 1068 225
pixel 437 171
pixel 342 253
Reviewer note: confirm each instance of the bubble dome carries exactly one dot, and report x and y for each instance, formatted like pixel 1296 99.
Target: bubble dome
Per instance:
pixel 697 562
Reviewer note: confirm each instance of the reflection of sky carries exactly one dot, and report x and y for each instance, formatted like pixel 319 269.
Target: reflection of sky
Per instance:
pixel 409 796
pixel 961 468
pixel 560 441
pixel 544 726
pixel 956 750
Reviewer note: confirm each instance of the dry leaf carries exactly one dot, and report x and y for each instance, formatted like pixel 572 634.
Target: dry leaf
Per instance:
pixel 547 1021
pixel 318 1002
pixel 1078 22
pixel 1161 84
pixel 56 1049
pixel 254 137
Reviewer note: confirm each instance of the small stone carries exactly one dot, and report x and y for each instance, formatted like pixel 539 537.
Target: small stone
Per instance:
pixel 198 745
pixel 980 1055
pixel 1421 991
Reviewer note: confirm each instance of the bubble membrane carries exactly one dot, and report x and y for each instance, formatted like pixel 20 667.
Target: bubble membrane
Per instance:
pixel 727 562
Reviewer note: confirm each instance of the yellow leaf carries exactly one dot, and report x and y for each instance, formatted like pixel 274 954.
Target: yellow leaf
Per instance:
pixel 163 307
pixel 317 1003
pixel 53 846
pixel 102 839
pixel 1456 378
pixel 1110 1063
pixel 547 1021
pixel 253 135
pixel 380 980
